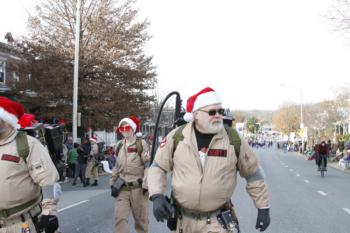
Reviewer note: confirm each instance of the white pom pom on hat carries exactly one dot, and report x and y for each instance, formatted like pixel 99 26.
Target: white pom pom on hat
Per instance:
pixel 205 97
pixel 10 111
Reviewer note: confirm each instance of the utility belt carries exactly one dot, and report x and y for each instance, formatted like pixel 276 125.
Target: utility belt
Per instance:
pixel 198 215
pixel 226 216
pixel 128 186
pixel 31 214
pixel 6 213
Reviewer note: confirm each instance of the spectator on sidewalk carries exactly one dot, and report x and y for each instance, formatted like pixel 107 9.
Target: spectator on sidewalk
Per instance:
pixel 80 167
pixel 110 157
pixel 72 160
pixel 345 161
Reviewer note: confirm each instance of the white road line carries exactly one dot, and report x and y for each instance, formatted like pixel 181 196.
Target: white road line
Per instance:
pixel 286 166
pixel 346 210
pixel 306 181
pixel 322 193
pixel 70 206
pixel 297 174
pixel 291 170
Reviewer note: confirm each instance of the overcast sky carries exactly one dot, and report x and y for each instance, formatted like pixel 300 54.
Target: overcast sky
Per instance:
pixel 244 49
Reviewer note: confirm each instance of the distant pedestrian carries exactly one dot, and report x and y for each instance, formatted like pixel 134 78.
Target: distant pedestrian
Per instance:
pixel 92 163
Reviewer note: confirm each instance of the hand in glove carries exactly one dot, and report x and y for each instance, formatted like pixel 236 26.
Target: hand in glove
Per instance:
pixel 263 220
pixel 49 223
pixel 162 209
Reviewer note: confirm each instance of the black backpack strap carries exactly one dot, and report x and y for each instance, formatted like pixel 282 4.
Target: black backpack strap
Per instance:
pixel 22 145
pixel 235 140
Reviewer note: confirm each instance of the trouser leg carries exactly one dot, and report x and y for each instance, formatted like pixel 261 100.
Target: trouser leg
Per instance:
pixel 139 206
pixel 121 212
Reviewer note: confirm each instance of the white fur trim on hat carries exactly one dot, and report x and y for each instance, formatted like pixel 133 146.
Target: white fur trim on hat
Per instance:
pixel 206 99
pixel 8 117
pixel 188 117
pixel 129 122
pixel 139 134
pixel 93 139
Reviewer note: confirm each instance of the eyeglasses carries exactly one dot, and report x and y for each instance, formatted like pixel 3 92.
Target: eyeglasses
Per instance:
pixel 212 112
pixel 124 128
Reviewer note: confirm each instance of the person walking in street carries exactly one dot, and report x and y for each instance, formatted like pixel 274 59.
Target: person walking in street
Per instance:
pixel 132 155
pixel 204 161
pixel 29 190
pixel 92 163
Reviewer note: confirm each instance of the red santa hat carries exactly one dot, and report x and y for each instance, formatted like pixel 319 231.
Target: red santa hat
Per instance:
pixel 27 120
pixel 135 124
pixel 10 111
pixel 93 139
pixel 205 97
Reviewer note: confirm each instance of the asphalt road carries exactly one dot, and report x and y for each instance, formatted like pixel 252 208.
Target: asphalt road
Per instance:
pixel 301 200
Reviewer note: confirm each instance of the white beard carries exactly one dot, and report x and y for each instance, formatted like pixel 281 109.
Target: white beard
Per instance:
pixel 214 127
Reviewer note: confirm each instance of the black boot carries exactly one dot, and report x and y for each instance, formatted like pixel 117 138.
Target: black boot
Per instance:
pixel 95 183
pixel 74 181
pixel 87 182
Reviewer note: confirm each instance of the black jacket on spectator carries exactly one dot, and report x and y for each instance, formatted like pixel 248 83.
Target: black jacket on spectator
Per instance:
pixel 83 153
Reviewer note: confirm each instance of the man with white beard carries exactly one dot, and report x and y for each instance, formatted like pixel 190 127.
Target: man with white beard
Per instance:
pixel 204 162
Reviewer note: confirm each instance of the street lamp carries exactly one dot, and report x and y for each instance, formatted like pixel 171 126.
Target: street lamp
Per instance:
pixel 301 110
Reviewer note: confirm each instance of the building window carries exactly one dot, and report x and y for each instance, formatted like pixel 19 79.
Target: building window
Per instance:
pixel 2 72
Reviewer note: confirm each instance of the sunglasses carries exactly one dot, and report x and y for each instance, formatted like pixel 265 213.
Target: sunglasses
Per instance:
pixel 124 128
pixel 212 112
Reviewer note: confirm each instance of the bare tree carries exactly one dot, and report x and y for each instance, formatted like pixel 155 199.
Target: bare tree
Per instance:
pixel 287 119
pixel 115 73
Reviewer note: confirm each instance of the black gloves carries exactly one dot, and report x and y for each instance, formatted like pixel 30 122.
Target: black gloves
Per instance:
pixel 49 223
pixel 263 220
pixel 162 209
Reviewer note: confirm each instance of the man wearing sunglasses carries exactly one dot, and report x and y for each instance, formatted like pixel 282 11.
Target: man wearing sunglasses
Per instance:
pixel 128 176
pixel 204 168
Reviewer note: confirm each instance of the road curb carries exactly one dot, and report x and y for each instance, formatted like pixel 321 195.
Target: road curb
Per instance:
pixel 336 166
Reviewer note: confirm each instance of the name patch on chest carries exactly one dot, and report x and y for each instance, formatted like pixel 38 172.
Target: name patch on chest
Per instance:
pixel 10 158
pixel 132 150
pixel 217 153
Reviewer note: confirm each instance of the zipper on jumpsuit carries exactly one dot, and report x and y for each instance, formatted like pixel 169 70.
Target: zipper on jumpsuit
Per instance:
pixel 202 169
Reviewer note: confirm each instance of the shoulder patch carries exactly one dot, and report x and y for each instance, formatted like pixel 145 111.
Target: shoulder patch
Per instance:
pixel 163 143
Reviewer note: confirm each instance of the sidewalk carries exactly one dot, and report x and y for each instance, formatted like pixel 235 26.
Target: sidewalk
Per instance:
pixel 334 165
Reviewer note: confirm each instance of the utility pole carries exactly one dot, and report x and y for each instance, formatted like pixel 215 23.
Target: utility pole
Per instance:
pixel 76 73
